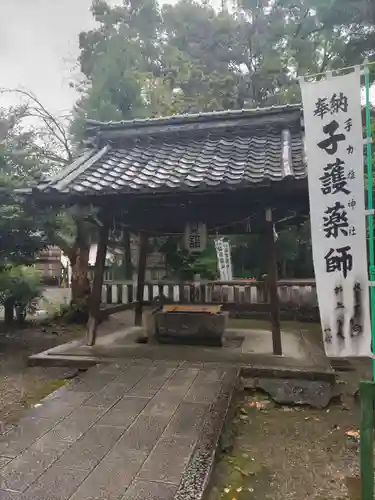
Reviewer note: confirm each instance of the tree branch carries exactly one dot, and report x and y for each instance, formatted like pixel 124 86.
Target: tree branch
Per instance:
pixel 55 128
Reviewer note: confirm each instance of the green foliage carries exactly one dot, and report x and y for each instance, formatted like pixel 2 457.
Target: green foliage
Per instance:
pixel 73 313
pixel 21 286
pixel 293 250
pixel 184 265
pixel 20 238
pixel 190 57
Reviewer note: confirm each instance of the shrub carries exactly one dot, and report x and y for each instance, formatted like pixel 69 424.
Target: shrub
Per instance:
pixel 73 313
pixel 20 287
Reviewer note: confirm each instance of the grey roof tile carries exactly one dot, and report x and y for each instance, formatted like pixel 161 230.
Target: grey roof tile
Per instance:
pixel 236 158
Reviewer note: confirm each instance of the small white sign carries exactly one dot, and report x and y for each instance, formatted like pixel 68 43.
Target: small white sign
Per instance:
pixel 224 259
pixel 334 147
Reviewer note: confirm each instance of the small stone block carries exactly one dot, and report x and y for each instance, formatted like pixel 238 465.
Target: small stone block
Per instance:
pixel 107 397
pixel 24 434
pixel 4 461
pixel 143 490
pixel 73 427
pixel 124 412
pixel 94 383
pixel 109 480
pixel 131 375
pixel 168 460
pixel 57 483
pixel 163 404
pixel 90 449
pixel 9 495
pixel 54 409
pixel 143 433
pixel 201 392
pixel 26 468
pixel 187 421
pixel 152 382
pixel 66 395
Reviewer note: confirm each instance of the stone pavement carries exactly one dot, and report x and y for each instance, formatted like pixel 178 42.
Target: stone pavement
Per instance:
pixel 139 430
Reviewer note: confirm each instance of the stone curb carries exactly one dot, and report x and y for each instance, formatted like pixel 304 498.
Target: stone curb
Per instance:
pixel 196 477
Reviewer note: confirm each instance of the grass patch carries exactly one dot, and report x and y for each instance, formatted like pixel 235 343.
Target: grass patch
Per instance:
pixel 42 389
pixel 238 475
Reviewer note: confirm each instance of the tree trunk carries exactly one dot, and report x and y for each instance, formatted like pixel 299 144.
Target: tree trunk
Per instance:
pixel 80 287
pixel 9 311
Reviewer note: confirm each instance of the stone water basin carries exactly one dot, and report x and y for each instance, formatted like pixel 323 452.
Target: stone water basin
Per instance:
pixel 190 324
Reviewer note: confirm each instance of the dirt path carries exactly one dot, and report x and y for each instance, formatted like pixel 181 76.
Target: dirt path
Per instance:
pixel 291 453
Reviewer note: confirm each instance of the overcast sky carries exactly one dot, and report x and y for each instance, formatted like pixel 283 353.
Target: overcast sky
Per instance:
pixel 39 47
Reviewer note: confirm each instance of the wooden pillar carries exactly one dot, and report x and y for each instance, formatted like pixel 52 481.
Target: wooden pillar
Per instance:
pixel 143 244
pixel 272 284
pixel 96 291
pixel 128 270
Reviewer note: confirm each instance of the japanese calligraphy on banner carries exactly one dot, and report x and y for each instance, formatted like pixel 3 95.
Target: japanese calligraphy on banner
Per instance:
pixel 334 148
pixel 224 259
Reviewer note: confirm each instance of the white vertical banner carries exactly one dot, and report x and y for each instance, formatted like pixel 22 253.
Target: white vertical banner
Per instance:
pixel 224 259
pixel 334 148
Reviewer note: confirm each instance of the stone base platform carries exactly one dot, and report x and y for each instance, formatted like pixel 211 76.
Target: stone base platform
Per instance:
pixel 134 430
pixel 250 350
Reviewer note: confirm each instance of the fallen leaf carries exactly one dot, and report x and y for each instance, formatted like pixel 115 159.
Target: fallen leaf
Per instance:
pixel 239 489
pixel 353 434
pixel 241 471
pixel 226 490
pixel 244 417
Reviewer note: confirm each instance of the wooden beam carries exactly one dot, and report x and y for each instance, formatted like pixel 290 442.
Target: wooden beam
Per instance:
pixel 128 269
pixel 272 283
pixel 143 247
pixel 96 291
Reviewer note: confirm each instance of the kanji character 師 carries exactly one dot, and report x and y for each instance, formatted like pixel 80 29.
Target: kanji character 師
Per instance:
pixel 339 259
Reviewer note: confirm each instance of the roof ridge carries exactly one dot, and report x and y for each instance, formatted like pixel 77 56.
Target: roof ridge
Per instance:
pixel 192 117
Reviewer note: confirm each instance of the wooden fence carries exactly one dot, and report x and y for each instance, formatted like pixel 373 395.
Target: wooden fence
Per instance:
pixel 245 294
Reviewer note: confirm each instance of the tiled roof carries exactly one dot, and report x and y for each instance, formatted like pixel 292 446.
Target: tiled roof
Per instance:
pixel 236 157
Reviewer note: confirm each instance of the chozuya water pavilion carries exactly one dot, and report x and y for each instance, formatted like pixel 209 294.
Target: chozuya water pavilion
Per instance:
pixel 232 169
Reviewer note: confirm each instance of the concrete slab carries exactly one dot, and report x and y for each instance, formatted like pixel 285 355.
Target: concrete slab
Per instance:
pixel 136 438
pixel 251 351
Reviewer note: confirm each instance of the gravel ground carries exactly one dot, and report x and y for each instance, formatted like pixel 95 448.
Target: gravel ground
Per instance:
pixel 293 453
pixel 22 386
